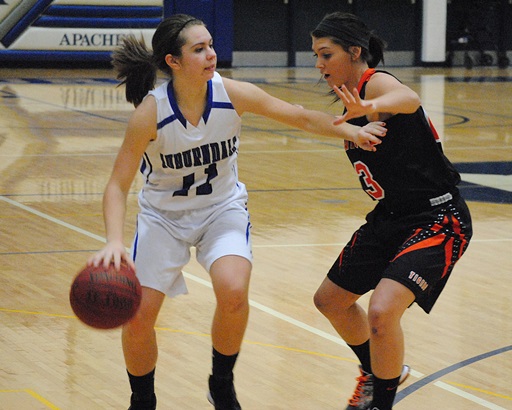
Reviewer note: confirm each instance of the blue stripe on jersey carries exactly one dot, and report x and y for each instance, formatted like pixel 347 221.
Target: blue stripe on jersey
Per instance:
pixel 174 105
pixel 227 105
pixel 209 102
pixel 214 104
pixel 145 163
pixel 135 243
pixel 166 121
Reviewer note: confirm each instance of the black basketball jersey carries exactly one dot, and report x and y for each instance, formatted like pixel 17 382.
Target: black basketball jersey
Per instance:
pixel 409 170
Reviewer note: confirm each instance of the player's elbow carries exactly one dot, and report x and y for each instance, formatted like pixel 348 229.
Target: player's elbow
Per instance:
pixel 406 101
pixel 415 101
pixel 412 103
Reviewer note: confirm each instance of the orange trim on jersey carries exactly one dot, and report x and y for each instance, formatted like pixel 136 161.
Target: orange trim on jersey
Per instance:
pixel 438 227
pixel 341 257
pixel 456 226
pixel 438 240
pixel 448 252
pixel 434 131
pixel 416 232
pixel 365 77
pixel 427 243
pixel 352 243
pixel 458 230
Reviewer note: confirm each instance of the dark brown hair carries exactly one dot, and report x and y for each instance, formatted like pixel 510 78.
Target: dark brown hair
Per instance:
pixel 348 30
pixel 136 66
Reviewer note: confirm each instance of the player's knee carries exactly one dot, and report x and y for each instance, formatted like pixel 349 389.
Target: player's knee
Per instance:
pixel 322 302
pixel 233 300
pixel 381 319
pixel 138 326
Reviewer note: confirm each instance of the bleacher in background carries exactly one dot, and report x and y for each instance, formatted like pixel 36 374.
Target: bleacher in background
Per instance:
pixel 273 33
pixel 87 30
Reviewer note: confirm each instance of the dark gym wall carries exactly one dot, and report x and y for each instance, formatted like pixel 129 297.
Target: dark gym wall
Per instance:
pixel 278 25
pixel 284 25
pixel 260 25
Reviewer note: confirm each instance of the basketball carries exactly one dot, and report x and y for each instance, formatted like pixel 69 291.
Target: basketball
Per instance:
pixel 105 298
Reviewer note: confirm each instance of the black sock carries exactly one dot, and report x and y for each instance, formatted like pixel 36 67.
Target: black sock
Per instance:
pixel 384 392
pixel 363 354
pixel 222 366
pixel 142 385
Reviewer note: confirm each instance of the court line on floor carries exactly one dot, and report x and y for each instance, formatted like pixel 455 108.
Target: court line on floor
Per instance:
pixel 261 307
pixel 443 372
pixel 35 395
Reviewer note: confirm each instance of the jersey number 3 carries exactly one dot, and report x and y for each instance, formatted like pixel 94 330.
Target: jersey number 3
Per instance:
pixel 370 186
pixel 203 189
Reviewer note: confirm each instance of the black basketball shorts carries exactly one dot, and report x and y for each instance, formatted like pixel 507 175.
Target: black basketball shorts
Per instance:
pixel 418 251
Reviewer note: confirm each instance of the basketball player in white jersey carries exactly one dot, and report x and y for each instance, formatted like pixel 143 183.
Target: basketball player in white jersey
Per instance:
pixel 184 137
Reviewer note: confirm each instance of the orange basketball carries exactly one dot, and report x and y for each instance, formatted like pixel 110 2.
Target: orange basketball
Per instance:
pixel 105 298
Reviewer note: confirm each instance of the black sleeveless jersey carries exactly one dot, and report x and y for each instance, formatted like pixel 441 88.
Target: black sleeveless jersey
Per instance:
pixel 409 167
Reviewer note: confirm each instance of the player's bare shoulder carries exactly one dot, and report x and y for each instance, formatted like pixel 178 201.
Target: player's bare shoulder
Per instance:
pixel 381 83
pixel 143 120
pixel 242 94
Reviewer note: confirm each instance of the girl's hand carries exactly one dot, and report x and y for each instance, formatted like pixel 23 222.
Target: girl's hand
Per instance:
pixel 356 107
pixel 367 136
pixel 113 252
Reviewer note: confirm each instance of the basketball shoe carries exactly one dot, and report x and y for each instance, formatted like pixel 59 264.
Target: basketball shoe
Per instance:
pixel 363 394
pixel 138 402
pixel 222 394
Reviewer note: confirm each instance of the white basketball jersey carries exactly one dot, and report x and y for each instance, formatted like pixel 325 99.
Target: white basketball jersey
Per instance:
pixel 189 167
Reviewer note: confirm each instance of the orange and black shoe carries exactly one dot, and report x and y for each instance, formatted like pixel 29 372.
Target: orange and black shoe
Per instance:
pixel 363 394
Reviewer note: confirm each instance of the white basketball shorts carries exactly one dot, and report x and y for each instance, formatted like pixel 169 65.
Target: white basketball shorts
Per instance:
pixel 162 242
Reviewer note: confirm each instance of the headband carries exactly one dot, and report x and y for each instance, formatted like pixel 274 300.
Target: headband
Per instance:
pixel 337 30
pixel 190 20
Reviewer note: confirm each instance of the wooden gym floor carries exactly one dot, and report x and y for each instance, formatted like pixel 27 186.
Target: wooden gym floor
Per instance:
pixel 59 134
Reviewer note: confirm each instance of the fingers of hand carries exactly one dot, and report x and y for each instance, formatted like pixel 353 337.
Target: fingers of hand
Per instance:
pixel 375 141
pixel 130 263
pixel 348 97
pixel 105 257
pixel 355 93
pixel 367 146
pixel 380 131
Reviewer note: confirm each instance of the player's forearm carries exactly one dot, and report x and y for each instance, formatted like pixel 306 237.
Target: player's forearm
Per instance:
pixel 114 211
pixel 322 124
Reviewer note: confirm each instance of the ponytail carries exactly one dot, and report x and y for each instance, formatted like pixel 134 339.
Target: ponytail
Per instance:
pixel 134 67
pixel 137 66
pixel 376 50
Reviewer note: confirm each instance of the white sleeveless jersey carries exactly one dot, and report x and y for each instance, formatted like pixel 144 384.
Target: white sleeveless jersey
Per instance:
pixel 189 167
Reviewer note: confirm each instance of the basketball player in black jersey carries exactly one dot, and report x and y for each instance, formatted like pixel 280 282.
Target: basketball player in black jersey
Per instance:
pixel 419 228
